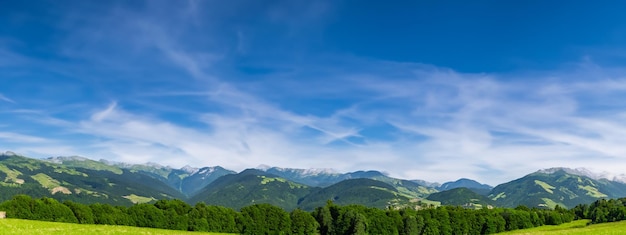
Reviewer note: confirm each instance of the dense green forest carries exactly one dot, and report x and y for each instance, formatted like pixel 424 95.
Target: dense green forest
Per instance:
pixel 268 219
pixel 602 211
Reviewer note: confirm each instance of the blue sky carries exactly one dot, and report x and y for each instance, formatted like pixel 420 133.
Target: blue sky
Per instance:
pixel 489 90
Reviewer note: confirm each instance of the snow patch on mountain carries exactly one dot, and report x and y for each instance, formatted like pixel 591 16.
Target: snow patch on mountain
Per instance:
pixel 263 167
pixel 207 170
pixel 189 169
pixel 301 172
pixel 61 159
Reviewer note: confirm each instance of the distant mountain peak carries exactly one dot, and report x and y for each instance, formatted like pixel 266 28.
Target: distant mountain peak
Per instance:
pixel 304 172
pixel 189 169
pixel 155 165
pixel 427 183
pixel 263 167
pixel 464 183
pixel 131 165
pixel 317 171
pixel 61 159
pixel 9 153
pixel 207 170
pixel 581 171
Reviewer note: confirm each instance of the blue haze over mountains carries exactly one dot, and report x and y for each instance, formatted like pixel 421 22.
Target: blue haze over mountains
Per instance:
pixel 88 181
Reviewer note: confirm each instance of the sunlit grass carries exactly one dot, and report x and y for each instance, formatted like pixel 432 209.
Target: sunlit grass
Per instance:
pixel 18 226
pixel 139 199
pixel 578 227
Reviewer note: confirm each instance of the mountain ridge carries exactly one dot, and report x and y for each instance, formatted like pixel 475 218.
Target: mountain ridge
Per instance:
pixel 123 183
pixel 558 186
pixel 611 176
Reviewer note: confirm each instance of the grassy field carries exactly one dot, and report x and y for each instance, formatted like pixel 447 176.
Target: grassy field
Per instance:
pixel 576 228
pixel 17 226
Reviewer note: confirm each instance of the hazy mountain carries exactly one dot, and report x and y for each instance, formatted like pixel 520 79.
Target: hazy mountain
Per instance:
pixel 461 197
pixel 86 163
pixel 556 186
pixel 482 189
pixel 187 180
pixel 196 181
pixel 253 187
pixel 586 172
pixel 84 180
pixel 326 177
pixel 111 185
pixel 427 184
pixel 312 177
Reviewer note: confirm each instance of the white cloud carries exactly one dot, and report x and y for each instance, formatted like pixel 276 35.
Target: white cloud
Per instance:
pixel 541 125
pixel 411 120
pixel 21 138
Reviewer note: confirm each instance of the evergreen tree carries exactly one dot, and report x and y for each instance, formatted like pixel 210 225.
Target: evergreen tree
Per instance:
pixel 83 213
pixel 222 219
pixel 410 226
pixel 303 223
pixel 107 214
pixel 442 216
pixel 459 220
pixel 147 215
pixel 264 219
pixel 20 207
pixel 48 209
pixel 198 218
pixel 351 222
pixel 325 219
pixel 177 213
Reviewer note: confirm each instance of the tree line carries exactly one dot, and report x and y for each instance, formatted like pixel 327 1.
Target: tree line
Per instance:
pixel 330 219
pixel 602 211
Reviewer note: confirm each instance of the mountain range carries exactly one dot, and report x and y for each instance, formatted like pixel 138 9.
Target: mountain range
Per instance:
pixel 88 181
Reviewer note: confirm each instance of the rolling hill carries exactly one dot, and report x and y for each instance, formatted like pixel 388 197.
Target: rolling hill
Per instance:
pixel 253 187
pixel 462 197
pixel 556 186
pixel 187 180
pixel 482 189
pixel 38 178
pixel 327 177
pixel 363 191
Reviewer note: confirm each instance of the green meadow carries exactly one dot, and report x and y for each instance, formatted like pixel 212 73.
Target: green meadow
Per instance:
pixel 18 226
pixel 575 228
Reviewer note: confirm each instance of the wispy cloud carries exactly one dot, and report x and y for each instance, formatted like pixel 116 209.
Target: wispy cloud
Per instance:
pixel 439 125
pixel 20 138
pixel 6 99
pixel 180 97
pixel 456 125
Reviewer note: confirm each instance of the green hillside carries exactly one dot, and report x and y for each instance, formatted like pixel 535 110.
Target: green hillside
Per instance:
pixel 542 189
pixel 482 189
pixel 461 197
pixel 325 178
pixel 405 187
pixel 367 192
pixel 253 187
pixel 88 181
pixel 37 178
pixel 186 181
